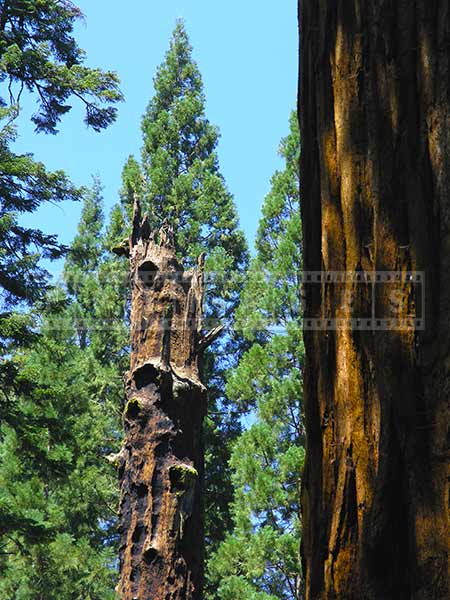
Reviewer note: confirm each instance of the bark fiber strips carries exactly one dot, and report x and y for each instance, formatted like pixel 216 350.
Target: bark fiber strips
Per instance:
pixel 374 109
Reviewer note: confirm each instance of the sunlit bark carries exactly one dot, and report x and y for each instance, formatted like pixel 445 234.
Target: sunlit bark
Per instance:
pixel 375 124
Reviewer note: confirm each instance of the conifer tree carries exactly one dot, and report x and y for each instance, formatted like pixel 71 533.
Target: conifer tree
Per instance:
pixel 178 178
pixel 59 496
pixel 260 559
pixel 24 185
pixel 39 54
pixel 94 278
pixel 178 181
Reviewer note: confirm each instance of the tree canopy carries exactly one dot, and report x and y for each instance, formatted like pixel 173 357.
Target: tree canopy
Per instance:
pixel 66 348
pixel 260 558
pixel 38 53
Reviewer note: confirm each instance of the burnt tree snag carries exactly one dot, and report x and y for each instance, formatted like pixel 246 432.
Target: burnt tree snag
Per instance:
pixel 161 462
pixel 374 110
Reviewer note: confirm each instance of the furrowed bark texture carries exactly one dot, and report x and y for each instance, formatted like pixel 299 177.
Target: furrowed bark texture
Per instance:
pixel 374 109
pixel 161 463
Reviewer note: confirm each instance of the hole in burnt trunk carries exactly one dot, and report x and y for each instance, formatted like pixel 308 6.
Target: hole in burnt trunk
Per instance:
pixel 145 375
pixel 176 480
pixel 150 555
pixel 141 490
pixel 147 273
pixel 138 533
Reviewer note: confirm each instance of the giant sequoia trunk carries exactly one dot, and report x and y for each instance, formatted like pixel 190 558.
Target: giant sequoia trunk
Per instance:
pixel 161 463
pixel 375 124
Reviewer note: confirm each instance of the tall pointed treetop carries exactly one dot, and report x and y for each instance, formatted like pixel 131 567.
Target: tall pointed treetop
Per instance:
pixel 180 167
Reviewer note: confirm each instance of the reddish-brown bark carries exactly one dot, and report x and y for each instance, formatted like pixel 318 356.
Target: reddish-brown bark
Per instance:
pixel 375 119
pixel 161 463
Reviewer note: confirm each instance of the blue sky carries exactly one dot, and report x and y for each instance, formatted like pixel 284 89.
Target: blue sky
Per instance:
pixel 247 54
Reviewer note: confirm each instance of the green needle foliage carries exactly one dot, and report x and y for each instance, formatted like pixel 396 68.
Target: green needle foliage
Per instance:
pixel 97 280
pixel 180 164
pixel 45 463
pixel 260 559
pixel 178 178
pixel 55 532
pixel 178 181
pixel 38 55
pixel 24 185
pixel 58 494
pixel 55 502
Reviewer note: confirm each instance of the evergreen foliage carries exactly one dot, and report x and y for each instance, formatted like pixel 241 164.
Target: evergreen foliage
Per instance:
pixel 65 348
pixel 24 185
pixel 59 493
pixel 260 559
pixel 55 529
pixel 38 54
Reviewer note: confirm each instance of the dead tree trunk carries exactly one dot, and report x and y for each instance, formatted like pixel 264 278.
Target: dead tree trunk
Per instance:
pixel 161 463
pixel 375 120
